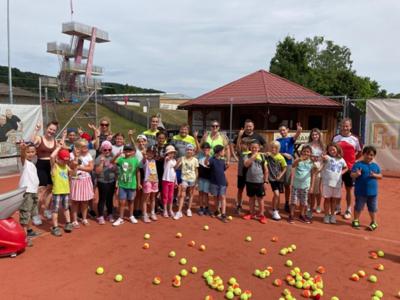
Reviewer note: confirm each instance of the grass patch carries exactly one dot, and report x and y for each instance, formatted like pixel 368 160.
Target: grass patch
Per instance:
pixel 167 116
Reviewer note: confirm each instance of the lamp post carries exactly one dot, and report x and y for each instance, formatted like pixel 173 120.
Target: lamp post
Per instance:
pixel 10 91
pixel 148 112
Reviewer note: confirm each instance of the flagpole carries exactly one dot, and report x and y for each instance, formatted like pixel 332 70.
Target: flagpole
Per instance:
pixel 10 89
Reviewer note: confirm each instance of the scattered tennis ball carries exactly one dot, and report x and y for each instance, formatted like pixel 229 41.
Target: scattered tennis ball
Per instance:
pixel 263 251
pixel 146 246
pixel 373 279
pixel 172 254
pixel 248 238
pixel 176 281
pixel 380 253
pixel 378 293
pixel 183 261
pixel 179 235
pixel 230 218
pixel 232 281
pixel 191 243
pixel 361 273
pixel 274 239
pixel 289 263
pixel 184 273
pixel 194 270
pixel 373 255
pixel 208 297
pixel 100 271
pixel 334 298
pixel 293 246
pixel 205 227
pixel 283 251
pixel 306 294
pixel 299 284
pixel 355 277
pixel 211 272
pixel 380 267
pixel 257 272
pixel 229 295
pixel 146 236
pixel 118 278
pixel 220 288
pixel 202 248
pixel 321 270
pixel 237 291
pixel 375 298
pixel 277 282
pixel 157 280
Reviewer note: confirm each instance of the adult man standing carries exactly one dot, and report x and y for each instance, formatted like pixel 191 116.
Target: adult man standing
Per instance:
pixel 351 149
pixel 4 128
pixel 248 132
pixel 287 150
pixel 151 133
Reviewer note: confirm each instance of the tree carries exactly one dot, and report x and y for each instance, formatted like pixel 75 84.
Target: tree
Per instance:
pixel 323 67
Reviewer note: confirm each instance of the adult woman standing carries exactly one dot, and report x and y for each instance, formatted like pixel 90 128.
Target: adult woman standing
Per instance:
pixel 103 133
pixel 215 137
pixel 45 145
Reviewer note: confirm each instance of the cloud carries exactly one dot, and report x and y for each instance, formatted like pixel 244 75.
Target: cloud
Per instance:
pixel 194 46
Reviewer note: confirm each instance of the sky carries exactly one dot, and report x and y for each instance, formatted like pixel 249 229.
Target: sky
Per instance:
pixel 192 47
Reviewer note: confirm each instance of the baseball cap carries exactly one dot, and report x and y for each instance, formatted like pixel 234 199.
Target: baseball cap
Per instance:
pixel 63 154
pixel 129 147
pixel 189 147
pixel 141 136
pixel 105 145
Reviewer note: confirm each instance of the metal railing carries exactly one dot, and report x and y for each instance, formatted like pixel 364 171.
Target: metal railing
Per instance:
pixel 71 66
pixel 82 29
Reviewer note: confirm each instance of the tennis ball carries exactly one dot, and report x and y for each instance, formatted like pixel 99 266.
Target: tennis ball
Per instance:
pixel 274 239
pixel 229 295
pixel 146 236
pixel 277 282
pixel 373 279
pixel 375 298
pixel 289 249
pixel 381 253
pixel 334 298
pixel 205 227
pixel 157 280
pixel 283 251
pixel 257 272
pixel 378 293
pixel 248 238
pixel 237 291
pixel 206 274
pixel 380 267
pixel 297 270
pixel 263 251
pixel 289 263
pixel 230 218
pixel 118 278
pixel 179 235
pixel 146 246
pixel 306 294
pixel 211 272
pixel 244 297
pixel 183 273
pixel 262 275
pixel 172 254
pixel 321 270
pixel 232 281
pixel 100 271
pixel 208 297
pixel 361 273
pixel 176 281
pixel 373 255
pixel 306 275
pixel 220 288
pixel 202 248
pixel 299 284
pixel 191 243
pixel 194 270
pixel 293 246
pixel 183 261
pixel 270 269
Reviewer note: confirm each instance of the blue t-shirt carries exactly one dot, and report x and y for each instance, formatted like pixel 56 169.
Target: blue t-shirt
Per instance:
pixel 287 146
pixel 217 171
pixel 366 185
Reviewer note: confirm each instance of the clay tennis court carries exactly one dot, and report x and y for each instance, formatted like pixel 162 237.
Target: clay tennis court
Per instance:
pixel 64 268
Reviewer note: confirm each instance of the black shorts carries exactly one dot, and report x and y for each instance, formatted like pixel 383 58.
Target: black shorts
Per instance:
pixel 276 186
pixel 255 189
pixel 347 180
pixel 43 167
pixel 241 182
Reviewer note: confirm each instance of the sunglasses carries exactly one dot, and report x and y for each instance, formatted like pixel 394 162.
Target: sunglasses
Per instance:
pixel 107 150
pixel 214 126
pixel 105 125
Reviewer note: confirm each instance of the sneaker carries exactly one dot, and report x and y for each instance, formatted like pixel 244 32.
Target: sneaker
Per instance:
pixel 171 214
pixel 189 213
pixel 238 209
pixel 85 222
pixel 355 224
pixel 287 208
pixel 146 219
pixel 200 211
pixel 101 220
pixel 309 214
pixel 249 217
pixel 338 210
pixel 68 227
pixel 92 214
pixel 178 215
pixel 110 219
pixel 223 218
pixel 327 219
pixel 347 215
pixel 290 220
pixel 118 222
pixel 216 214
pixel 165 214
pixel 372 226
pixel 133 219
pixel 275 215
pixel 47 214
pixel 153 217
pixel 37 220
pixel 332 219
pixel 56 231
pixel 318 210
pixel 75 224
pixel 32 233
pixel 262 219
pixel 207 212
pixel 304 219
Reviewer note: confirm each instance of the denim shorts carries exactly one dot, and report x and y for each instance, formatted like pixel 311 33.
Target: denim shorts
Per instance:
pixel 186 184
pixel 371 201
pixel 126 194
pixel 217 190
pixel 204 185
pixel 57 199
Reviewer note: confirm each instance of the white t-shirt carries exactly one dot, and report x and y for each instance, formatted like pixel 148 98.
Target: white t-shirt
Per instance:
pixel 332 172
pixel 117 149
pixel 85 160
pixel 29 177
pixel 169 170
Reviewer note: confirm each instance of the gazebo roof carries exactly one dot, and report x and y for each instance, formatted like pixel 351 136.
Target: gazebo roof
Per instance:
pixel 262 87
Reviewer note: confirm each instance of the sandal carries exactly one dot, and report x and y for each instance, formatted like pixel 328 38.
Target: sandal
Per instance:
pixel 373 226
pixel 355 224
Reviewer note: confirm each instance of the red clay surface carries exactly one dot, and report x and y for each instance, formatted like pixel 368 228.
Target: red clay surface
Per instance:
pixel 64 268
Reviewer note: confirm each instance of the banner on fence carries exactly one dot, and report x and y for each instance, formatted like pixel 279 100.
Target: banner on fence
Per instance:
pixel 383 131
pixel 17 122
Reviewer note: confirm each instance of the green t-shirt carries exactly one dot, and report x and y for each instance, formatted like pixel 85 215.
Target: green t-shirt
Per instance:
pixel 127 168
pixel 302 175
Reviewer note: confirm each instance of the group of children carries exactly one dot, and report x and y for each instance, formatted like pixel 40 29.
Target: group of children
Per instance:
pixel 149 177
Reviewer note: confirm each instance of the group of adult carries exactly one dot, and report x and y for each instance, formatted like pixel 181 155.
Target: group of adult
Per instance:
pixel 348 142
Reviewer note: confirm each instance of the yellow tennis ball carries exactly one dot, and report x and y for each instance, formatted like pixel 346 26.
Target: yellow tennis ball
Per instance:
pixel 99 270
pixel 118 278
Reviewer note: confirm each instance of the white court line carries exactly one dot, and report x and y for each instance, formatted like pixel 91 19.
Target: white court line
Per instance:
pixel 365 237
